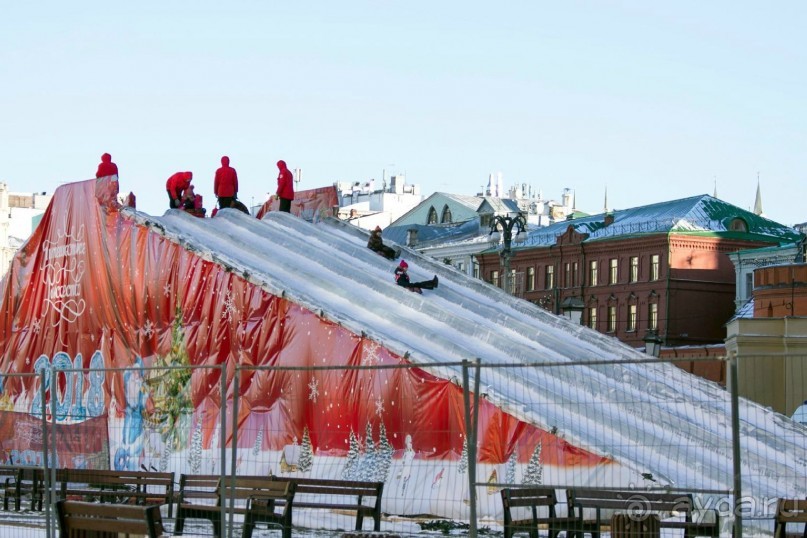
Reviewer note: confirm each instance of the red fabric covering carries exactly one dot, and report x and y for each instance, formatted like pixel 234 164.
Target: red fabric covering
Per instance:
pixel 226 180
pixel 107 167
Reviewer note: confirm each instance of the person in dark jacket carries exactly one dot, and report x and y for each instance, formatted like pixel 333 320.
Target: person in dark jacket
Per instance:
pixel 402 279
pixel 225 184
pixel 107 167
pixel 285 186
pixel 376 244
pixel 175 187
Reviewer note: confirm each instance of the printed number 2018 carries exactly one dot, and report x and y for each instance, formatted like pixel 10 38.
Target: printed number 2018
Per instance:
pixel 70 401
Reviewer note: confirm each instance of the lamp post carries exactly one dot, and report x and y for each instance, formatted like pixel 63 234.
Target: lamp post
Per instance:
pixel 652 343
pixel 507 223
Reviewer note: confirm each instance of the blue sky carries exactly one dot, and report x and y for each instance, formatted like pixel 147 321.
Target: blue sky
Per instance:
pixel 651 100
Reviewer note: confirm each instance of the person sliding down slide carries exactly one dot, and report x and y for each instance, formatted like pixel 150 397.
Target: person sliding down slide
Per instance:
pixel 402 278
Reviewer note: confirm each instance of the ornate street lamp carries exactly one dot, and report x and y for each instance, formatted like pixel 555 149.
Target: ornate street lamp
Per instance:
pixel 652 343
pixel 506 224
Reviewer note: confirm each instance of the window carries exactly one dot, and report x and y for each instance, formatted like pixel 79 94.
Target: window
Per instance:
pixel 530 278
pixel 738 225
pixel 749 285
pixel 654 267
pixel 592 273
pixel 592 317
pixel 476 269
pixel 652 316
pixel 634 268
pixel 432 216
pixel 446 218
pixel 461 267
pixel 550 277
pixel 574 273
pixel 611 319
pixel 494 278
pixel 614 271
pixel 567 274
pixel 631 317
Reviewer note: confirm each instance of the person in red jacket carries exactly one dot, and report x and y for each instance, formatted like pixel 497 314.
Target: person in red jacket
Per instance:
pixel 285 187
pixel 175 186
pixel 107 167
pixel 225 184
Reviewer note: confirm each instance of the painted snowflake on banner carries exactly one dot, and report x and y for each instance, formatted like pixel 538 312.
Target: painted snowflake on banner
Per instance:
pixel 229 307
pixel 167 290
pixel 370 356
pixel 379 407
pixel 36 326
pixel 148 329
pixel 313 393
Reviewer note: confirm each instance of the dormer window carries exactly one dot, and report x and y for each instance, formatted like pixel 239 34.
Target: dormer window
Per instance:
pixel 432 216
pixel 738 225
pixel 446 218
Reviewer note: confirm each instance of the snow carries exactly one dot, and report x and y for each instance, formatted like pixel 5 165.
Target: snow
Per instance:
pixel 681 435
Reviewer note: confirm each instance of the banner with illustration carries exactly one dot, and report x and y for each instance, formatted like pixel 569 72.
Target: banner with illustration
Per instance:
pixel 82 445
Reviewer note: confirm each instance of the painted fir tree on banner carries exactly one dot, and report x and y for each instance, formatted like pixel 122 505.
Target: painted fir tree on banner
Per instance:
pixel 169 383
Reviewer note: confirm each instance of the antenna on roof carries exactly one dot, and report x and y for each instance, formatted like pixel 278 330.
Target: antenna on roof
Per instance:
pixel 715 193
pixel 605 203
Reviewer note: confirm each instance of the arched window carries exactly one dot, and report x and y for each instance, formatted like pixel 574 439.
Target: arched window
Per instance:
pixel 432 216
pixel 446 218
pixel 738 225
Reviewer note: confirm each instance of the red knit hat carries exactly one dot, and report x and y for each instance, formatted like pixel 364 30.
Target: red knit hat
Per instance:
pixel 403 264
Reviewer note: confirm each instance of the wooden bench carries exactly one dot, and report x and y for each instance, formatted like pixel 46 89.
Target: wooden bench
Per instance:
pixel 790 511
pixel 536 499
pixel 92 520
pixel 22 481
pixel 255 498
pixel 120 487
pixel 637 503
pixel 349 495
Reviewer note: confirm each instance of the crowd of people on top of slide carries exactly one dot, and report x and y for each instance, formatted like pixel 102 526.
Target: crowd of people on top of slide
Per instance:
pixel 181 193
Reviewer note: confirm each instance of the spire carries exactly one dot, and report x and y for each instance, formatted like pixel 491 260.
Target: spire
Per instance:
pixel 715 194
pixel 758 202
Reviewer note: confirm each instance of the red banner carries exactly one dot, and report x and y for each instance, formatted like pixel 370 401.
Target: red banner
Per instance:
pixel 84 445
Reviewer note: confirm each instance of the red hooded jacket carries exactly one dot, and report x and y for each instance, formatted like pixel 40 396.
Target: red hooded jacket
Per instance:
pixel 285 182
pixel 226 180
pixel 107 167
pixel 177 184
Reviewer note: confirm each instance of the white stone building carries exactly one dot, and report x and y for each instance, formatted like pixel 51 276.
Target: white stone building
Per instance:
pixel 19 215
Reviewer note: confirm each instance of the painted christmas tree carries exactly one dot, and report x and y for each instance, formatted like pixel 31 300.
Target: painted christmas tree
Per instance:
pixel 170 389
pixel 463 464
pixel 306 460
pixel 369 460
pixel 385 452
pixel 510 469
pixel 195 457
pixel 535 469
pixel 349 472
pixel 258 442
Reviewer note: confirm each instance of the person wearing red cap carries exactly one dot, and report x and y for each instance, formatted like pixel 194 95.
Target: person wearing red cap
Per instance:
pixel 285 186
pixel 225 184
pixel 402 279
pixel 107 167
pixel 376 244
pixel 175 187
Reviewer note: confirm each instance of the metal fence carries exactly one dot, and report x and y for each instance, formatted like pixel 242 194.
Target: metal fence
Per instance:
pixel 445 439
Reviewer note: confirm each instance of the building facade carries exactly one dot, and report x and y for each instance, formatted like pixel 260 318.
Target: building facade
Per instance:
pixel 19 215
pixel 659 271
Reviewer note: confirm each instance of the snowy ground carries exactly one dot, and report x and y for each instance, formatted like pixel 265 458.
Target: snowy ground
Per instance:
pixel 312 524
